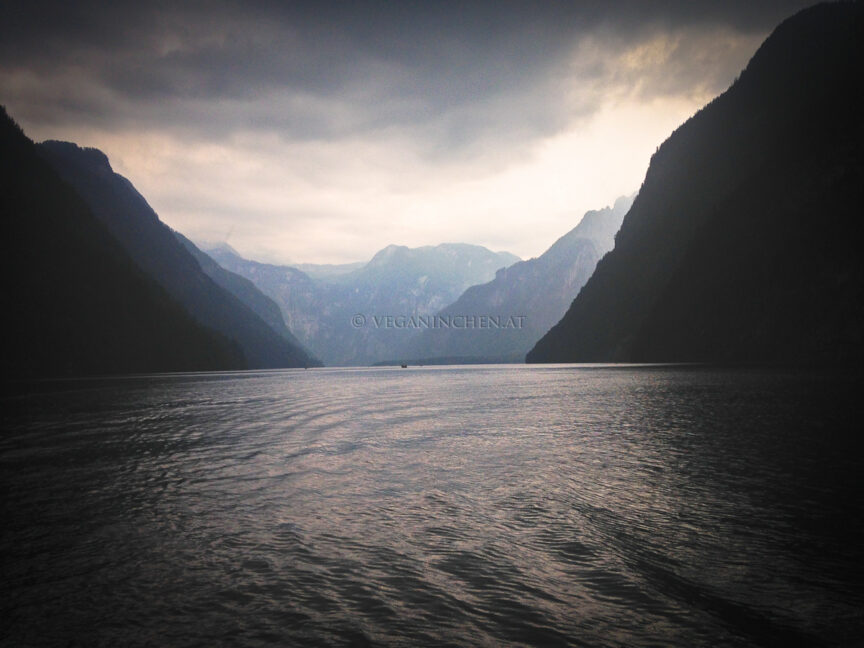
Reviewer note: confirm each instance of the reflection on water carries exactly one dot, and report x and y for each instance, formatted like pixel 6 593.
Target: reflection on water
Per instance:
pixel 492 506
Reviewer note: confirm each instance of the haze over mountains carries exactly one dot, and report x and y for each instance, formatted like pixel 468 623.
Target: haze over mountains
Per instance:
pixel 741 246
pixel 744 243
pixel 313 270
pixel 397 281
pixel 538 290
pixel 449 280
pixel 326 270
pixel 244 290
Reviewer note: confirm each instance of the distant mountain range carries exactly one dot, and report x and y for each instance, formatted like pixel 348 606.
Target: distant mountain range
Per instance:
pixel 744 243
pixel 312 270
pixel 75 302
pixel 741 246
pixel 539 291
pixel 328 270
pixel 397 281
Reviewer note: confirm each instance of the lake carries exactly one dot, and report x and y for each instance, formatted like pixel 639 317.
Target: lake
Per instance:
pixel 435 506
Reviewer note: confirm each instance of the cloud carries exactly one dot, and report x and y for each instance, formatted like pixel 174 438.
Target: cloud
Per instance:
pixel 332 68
pixel 325 130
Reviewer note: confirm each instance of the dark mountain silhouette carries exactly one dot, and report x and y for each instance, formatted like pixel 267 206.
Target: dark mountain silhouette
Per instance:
pixel 743 243
pixel 398 281
pixel 75 303
pixel 153 246
pixel 540 290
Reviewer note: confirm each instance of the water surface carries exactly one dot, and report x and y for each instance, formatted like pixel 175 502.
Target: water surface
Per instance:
pixel 469 506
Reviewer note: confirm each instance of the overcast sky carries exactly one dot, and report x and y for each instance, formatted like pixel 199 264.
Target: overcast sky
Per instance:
pixel 323 131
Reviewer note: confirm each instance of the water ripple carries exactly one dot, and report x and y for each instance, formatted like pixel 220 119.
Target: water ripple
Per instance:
pixel 479 506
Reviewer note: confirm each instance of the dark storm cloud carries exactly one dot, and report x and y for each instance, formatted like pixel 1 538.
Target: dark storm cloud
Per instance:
pixel 322 131
pixel 453 70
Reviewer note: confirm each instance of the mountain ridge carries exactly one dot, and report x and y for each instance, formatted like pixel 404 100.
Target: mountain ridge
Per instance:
pixel 397 281
pixel 720 258
pixel 77 304
pixel 538 290
pixel 246 292
pixel 154 248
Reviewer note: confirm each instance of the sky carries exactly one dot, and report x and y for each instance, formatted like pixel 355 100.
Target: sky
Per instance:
pixel 320 132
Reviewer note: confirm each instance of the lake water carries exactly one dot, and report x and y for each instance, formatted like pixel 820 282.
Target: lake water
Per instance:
pixel 466 506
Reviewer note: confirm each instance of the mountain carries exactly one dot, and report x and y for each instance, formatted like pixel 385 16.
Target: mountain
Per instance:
pixel 313 270
pixel 538 291
pixel 446 266
pixel 245 291
pixel 743 243
pixel 397 281
pixel 154 248
pixel 75 303
pixel 328 270
pixel 300 299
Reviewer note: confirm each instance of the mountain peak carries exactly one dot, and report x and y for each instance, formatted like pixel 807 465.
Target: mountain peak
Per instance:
pixel 541 289
pixel 91 157
pixel 222 248
pixel 81 305
pixel 156 250
pixel 387 255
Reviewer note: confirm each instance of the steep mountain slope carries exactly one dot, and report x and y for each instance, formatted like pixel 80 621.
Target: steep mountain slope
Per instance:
pixel 76 304
pixel 743 244
pixel 153 246
pixel 246 292
pixel 310 309
pixel 398 281
pixel 538 290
